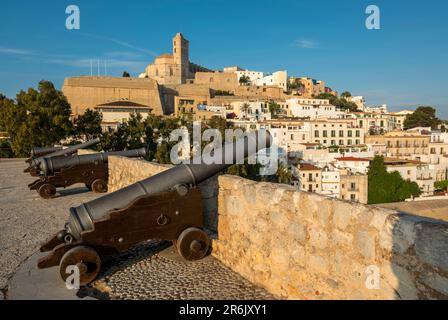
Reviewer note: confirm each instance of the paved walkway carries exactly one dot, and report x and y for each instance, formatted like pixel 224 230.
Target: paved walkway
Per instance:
pixel 152 270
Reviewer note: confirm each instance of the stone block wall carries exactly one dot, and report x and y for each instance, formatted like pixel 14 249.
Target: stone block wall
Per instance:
pixel 300 245
pixel 304 246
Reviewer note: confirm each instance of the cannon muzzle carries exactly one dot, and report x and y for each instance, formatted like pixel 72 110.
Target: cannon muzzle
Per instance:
pixel 50 165
pixel 82 217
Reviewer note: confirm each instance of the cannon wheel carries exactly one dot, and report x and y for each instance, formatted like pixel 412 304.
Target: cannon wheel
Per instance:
pixel 192 244
pixel 86 259
pixel 47 191
pixel 99 186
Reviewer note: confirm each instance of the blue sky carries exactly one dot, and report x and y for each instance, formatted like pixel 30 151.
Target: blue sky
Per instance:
pixel 403 64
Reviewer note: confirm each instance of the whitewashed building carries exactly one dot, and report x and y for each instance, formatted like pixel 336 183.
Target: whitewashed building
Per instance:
pixel 312 108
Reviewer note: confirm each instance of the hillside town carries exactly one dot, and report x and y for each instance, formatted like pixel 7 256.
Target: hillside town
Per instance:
pixel 278 162
pixel 330 146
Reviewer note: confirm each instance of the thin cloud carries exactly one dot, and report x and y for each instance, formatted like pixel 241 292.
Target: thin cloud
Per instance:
pixel 305 44
pixel 124 55
pixel 121 43
pixel 112 59
pixel 15 51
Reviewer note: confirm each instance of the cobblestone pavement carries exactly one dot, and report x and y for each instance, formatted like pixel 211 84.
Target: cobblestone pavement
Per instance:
pixel 155 271
pixel 152 270
pixel 27 220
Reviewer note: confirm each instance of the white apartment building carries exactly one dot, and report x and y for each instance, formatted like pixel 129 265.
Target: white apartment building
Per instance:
pixel 335 133
pixel 359 101
pixel 378 109
pixel 278 79
pixel 250 110
pixel 331 182
pixel 312 108
pixel 253 76
pixel 356 165
pixel 377 122
pixel 400 117
pixel 288 135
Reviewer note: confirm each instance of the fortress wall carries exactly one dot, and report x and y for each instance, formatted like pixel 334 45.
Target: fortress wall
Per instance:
pixel 301 245
pixel 87 92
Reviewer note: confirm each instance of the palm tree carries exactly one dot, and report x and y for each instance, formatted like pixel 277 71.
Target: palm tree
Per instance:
pixel 245 109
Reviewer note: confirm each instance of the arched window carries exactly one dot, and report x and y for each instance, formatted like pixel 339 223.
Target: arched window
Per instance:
pixel 171 71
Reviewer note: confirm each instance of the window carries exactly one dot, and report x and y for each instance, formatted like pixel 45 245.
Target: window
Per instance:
pixel 316 133
pixel 358 133
pixel 333 133
pixel 341 133
pixel 349 142
pixel 350 133
pixel 353 197
pixel 325 134
pixel 353 185
pixel 341 142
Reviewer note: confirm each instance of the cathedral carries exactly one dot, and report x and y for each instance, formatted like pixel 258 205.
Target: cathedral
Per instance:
pixel 175 68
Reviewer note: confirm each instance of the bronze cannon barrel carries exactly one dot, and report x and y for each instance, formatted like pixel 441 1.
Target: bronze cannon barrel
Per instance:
pixel 50 165
pixel 66 151
pixel 82 217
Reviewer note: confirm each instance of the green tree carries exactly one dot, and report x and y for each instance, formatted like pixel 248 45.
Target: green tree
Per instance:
pixel 296 84
pixel 441 185
pixel 88 125
pixel 346 94
pixel 244 80
pixel 274 109
pixel 37 118
pixel 126 74
pixel 5 149
pixel 385 187
pixel 341 103
pixel 245 108
pixel 422 117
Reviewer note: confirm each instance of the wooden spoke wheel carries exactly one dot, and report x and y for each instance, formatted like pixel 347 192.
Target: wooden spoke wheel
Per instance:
pixel 99 186
pixel 192 244
pixel 86 259
pixel 47 191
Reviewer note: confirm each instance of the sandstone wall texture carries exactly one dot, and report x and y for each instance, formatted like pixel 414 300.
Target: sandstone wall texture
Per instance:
pixel 299 245
pixel 88 92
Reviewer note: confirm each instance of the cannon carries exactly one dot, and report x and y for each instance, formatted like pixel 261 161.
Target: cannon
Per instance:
pixel 91 169
pixel 36 153
pixel 39 154
pixel 166 206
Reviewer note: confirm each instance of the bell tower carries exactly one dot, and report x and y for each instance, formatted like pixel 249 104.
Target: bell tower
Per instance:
pixel 181 55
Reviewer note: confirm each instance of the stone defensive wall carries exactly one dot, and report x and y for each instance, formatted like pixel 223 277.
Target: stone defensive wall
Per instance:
pixel 301 245
pixel 90 91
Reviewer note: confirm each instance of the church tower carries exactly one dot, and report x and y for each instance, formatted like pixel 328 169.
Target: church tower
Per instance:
pixel 181 55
